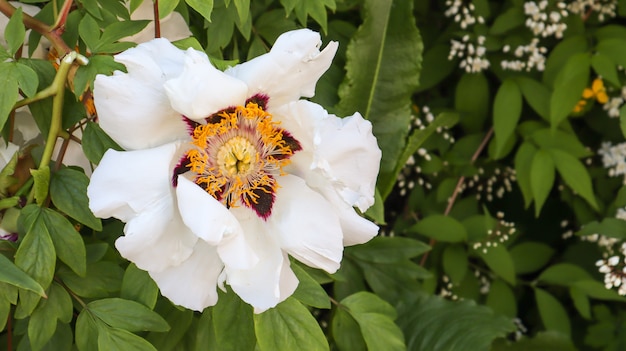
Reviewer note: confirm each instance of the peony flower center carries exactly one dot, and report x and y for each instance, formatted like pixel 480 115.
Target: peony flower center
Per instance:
pixel 238 154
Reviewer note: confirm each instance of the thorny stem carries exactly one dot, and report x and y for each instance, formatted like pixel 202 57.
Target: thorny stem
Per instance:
pixel 457 188
pixel 51 33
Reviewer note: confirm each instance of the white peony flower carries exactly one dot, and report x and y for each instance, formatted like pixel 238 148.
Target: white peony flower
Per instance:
pixel 228 173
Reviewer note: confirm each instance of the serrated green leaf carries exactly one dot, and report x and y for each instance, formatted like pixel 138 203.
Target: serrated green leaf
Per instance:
pixel 309 292
pixel 128 315
pixel 68 244
pixel 575 175
pixel 471 99
pixel 507 109
pixel 455 262
pixel 204 7
pixel 375 85
pixel 553 315
pixel 431 323
pixel 441 228
pixel 42 183
pixel 14 32
pixel 564 274
pixel 288 326
pixel 388 249
pixel 68 191
pixel 568 87
pixel 233 323
pixel 11 274
pixel 137 285
pixel 119 339
pixel 499 260
pixel 530 256
pixel 542 171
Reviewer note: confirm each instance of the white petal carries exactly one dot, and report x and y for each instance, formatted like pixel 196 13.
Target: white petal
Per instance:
pixel 7 151
pixel 127 183
pixel 347 153
pixel 173 26
pixel 306 226
pixel 290 70
pixel 202 89
pixel 157 238
pixel 212 222
pixel 192 284
pixel 271 280
pixel 132 107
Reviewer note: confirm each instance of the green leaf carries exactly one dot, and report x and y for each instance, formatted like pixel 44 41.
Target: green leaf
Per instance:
pixel 180 322
pixel 613 48
pixel 68 244
pixel 560 54
pixel 128 315
pixel 375 319
pixel 431 323
pixel 391 280
pixel 233 323
pixel 541 178
pixel 14 32
pixel 86 331
pixel 597 290
pixel 575 175
pixel 546 138
pixel 455 262
pixel 568 87
pixel 309 291
pixel 36 254
pixel 27 78
pixel 11 274
pixel 500 262
pixel 346 331
pixel 441 228
pixel 10 92
pixel 622 119
pixel 536 95
pixel 509 19
pixel 166 7
pixel 472 100
pixel 101 279
pixel 605 67
pixel 523 163
pixel 544 341
pixel 564 274
pixel 204 7
pixel 529 257
pixel 42 183
pixel 288 326
pixel 137 285
pixel 436 59
pixel 43 321
pixel 553 315
pixel 507 109
pixel 96 142
pixel 383 249
pixel 501 299
pixel 611 227
pixel 581 302
pixel 376 85
pixel 118 30
pixel 89 31
pixel 119 339
pixel 68 191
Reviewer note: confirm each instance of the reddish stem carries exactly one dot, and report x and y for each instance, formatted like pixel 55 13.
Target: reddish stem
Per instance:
pixel 157 20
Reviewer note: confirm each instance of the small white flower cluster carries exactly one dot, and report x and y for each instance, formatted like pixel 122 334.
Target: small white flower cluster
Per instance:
pixel 485 283
pixel 499 183
pixel 502 233
pixel 543 21
pixel 462 14
pixel 614 270
pixel 614 158
pixel 521 329
pixel 605 9
pixel 446 289
pixel 613 106
pixel 472 54
pixel 535 57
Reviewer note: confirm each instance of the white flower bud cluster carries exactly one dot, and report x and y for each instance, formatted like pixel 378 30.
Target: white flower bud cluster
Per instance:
pixel 614 270
pixel 614 158
pixel 446 289
pixel 544 21
pixel 535 57
pixel 501 234
pixel 613 106
pixel 496 186
pixel 605 9
pixel 521 328
pixel 472 55
pixel 462 14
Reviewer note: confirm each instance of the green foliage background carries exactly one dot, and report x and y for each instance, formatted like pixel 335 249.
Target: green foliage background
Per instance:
pixel 483 172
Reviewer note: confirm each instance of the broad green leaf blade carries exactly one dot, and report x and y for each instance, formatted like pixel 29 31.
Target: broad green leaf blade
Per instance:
pixel 14 32
pixel 613 48
pixel 138 286
pixel 128 315
pixel 597 290
pixel 86 331
pixel 233 323
pixel 120 339
pixel 545 138
pixel 204 7
pixel 611 227
pixel 581 302
pixel 530 256
pixel 11 274
pixel 575 175
pixel 36 254
pixel 375 319
pixel 10 92
pixel 471 99
pixel 346 331
pixel 544 341
pixel 568 87
pixel 507 109
pixel 500 262
pixel 455 263
pixel 501 299
pixel 383 249
pixel 101 279
pixel 96 142
pixel 118 30
pixel 605 67
pixel 27 78
pixel 553 315
pixel 90 32
pixel 536 95
pixel 288 326
pixel 523 163
pixel 431 323
pixel 376 85
pixel 179 320
pixel 309 291
pixel 391 280
pixel 68 191
pixel 542 172
pixel 43 321
pixel 440 227
pixel 564 274
pixel 42 183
